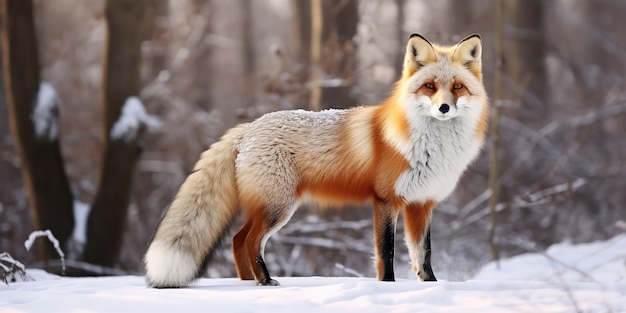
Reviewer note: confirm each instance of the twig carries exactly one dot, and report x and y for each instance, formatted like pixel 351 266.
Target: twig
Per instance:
pixel 472 205
pixel 317 227
pixel 536 198
pixel 348 270
pixel 40 233
pixel 10 267
pixel 495 132
pixel 556 127
pixel 538 195
pixel 322 242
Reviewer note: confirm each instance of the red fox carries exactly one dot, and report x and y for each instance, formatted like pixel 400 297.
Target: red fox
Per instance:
pixel 405 155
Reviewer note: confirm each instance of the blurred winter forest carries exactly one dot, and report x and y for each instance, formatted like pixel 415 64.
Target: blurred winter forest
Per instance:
pixel 201 67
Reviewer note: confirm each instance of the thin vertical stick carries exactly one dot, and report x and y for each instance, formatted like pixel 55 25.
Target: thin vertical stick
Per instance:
pixel 495 131
pixel 316 53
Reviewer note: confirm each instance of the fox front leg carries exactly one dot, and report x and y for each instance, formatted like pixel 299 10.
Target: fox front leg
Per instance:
pixel 427 272
pixel 416 225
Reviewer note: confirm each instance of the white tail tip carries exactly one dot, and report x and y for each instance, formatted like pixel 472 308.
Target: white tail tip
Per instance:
pixel 168 267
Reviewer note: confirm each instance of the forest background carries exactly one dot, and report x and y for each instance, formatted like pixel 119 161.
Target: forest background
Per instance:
pixel 554 68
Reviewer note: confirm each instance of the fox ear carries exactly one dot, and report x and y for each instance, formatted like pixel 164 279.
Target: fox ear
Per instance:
pixel 419 53
pixel 469 53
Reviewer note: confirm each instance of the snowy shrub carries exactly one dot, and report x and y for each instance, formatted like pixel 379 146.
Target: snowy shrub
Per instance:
pixel 12 270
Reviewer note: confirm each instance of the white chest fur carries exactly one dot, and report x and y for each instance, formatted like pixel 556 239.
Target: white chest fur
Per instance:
pixel 438 153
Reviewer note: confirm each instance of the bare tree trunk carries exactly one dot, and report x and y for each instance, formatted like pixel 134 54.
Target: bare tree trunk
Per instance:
pixel 333 53
pixel 456 27
pixel 520 78
pixel 248 55
pixel 42 165
pixel 525 76
pixel 155 35
pixel 401 36
pixel 302 31
pixel 107 219
pixel 301 47
pixel 317 20
pixel 247 35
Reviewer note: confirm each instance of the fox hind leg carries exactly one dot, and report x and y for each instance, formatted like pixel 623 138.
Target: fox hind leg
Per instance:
pixel 254 250
pixel 262 225
pixel 244 271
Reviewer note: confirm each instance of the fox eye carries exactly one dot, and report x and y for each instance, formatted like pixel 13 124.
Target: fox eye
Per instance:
pixel 457 86
pixel 429 85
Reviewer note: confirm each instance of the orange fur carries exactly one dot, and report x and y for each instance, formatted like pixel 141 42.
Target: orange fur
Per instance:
pixel 391 164
pixel 240 254
pixel 258 228
pixel 351 182
pixel 483 124
pixel 390 112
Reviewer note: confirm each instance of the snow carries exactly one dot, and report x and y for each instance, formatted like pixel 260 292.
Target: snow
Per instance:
pixel 564 262
pixel 81 213
pixel 540 282
pixel 46 112
pixel 133 116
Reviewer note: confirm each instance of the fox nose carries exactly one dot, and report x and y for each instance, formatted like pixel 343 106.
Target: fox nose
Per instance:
pixel 444 108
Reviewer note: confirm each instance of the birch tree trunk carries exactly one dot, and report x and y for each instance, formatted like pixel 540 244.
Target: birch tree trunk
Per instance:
pixel 333 53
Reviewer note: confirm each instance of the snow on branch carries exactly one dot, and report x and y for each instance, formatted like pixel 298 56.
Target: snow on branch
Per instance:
pixel 76 243
pixel 560 188
pixel 12 269
pixel 81 214
pixel 133 117
pixel 40 233
pixel 46 112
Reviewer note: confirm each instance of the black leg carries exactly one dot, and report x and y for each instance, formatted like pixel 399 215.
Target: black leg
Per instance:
pixel 388 250
pixel 428 271
pixel 267 280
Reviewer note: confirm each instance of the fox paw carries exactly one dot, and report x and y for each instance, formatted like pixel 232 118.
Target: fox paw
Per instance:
pixel 268 282
pixel 426 276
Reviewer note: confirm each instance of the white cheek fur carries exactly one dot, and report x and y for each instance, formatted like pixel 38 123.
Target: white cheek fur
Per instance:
pixel 470 106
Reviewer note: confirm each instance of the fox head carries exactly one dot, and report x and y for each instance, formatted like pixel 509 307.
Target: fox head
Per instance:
pixel 443 82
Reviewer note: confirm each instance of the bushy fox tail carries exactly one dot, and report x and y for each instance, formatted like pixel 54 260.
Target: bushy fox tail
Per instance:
pixel 200 215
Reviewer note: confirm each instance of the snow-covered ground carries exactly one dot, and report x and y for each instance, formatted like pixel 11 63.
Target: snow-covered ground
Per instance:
pixel 566 278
